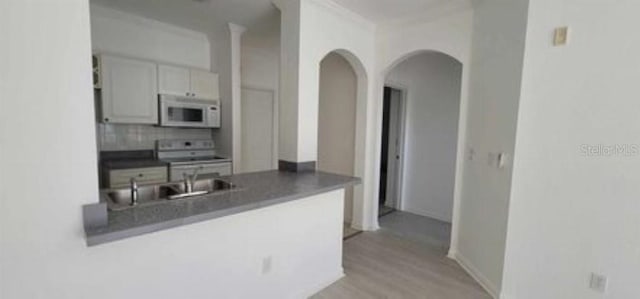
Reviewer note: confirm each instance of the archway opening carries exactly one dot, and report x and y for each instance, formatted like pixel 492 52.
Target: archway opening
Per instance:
pixel 337 124
pixel 419 146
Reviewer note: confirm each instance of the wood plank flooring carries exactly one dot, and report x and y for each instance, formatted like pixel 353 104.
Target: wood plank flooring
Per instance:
pixel 384 264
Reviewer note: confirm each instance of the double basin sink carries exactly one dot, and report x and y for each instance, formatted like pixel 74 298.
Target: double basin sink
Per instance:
pixel 121 199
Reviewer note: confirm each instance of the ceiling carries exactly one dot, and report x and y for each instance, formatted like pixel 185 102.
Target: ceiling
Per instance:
pixel 393 11
pixel 209 16
pixel 212 16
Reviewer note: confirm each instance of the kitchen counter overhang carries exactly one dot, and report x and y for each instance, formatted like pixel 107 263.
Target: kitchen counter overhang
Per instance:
pixel 255 190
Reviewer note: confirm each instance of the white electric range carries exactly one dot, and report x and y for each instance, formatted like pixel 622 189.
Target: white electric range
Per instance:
pixel 187 156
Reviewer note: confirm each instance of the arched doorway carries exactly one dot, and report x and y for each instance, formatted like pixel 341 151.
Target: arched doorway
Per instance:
pixel 419 153
pixel 342 86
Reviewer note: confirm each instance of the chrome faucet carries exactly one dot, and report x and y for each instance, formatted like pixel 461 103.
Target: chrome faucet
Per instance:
pixel 189 181
pixel 134 191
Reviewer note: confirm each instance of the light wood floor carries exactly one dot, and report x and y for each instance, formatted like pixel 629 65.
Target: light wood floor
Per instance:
pixel 384 264
pixel 418 228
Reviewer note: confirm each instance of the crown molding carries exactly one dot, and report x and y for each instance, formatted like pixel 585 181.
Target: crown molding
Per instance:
pixel 345 12
pixel 235 28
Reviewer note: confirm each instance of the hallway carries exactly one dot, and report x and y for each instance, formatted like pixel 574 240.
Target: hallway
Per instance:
pixel 420 229
pixel 400 261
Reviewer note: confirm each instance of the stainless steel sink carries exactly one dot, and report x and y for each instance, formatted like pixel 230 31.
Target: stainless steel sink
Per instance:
pixel 202 187
pixel 120 199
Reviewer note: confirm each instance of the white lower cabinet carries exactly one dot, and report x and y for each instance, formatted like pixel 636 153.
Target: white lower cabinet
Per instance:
pixel 121 178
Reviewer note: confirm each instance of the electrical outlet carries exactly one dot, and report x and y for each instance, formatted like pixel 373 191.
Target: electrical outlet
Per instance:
pixel 266 264
pixel 598 282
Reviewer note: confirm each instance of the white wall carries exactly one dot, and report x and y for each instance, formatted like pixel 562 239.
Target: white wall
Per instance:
pixel 51 172
pixel 236 32
pixel 290 55
pixel 323 29
pixel 221 64
pixel 432 82
pixel 260 67
pixel 494 89
pixel 571 213
pixel 113 31
pixel 310 30
pixel 261 59
pixel 449 33
pixel 337 121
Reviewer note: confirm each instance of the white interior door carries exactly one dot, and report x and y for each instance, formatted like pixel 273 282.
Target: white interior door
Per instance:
pixel 258 128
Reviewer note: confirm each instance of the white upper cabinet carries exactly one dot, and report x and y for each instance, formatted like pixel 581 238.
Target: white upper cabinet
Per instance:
pixel 204 84
pixel 129 90
pixel 183 81
pixel 174 80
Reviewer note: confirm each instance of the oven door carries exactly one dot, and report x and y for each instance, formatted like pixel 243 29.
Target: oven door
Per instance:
pixel 176 112
pixel 176 173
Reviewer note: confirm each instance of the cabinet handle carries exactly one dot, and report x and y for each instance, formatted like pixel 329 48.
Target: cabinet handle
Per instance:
pixel 106 120
pixel 140 175
pixel 187 94
pixel 193 94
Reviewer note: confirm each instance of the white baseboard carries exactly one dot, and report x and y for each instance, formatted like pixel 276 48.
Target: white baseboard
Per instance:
pixel 475 274
pixel 452 253
pixel 373 227
pixel 321 285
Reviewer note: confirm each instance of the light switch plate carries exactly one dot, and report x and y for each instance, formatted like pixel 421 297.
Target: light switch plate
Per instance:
pixel 561 36
pixel 598 282
pixel 502 160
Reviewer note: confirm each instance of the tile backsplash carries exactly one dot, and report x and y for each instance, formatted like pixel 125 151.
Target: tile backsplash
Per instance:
pixel 116 137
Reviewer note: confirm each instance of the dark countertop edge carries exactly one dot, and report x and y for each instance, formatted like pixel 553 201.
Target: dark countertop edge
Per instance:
pixel 102 238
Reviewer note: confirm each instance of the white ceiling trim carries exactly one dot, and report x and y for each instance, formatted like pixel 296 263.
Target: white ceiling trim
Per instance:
pixel 345 12
pixel 99 11
pixel 424 11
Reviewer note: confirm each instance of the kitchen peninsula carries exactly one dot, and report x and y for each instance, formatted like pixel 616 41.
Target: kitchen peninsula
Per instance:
pixel 252 191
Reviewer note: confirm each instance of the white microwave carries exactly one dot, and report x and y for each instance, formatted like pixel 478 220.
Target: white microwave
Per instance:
pixel 177 111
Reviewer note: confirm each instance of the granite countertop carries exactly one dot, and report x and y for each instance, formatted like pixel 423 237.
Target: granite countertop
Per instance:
pixel 254 190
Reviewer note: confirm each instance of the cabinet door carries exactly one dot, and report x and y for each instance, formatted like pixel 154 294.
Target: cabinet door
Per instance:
pixel 121 178
pixel 173 80
pixel 129 91
pixel 204 85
